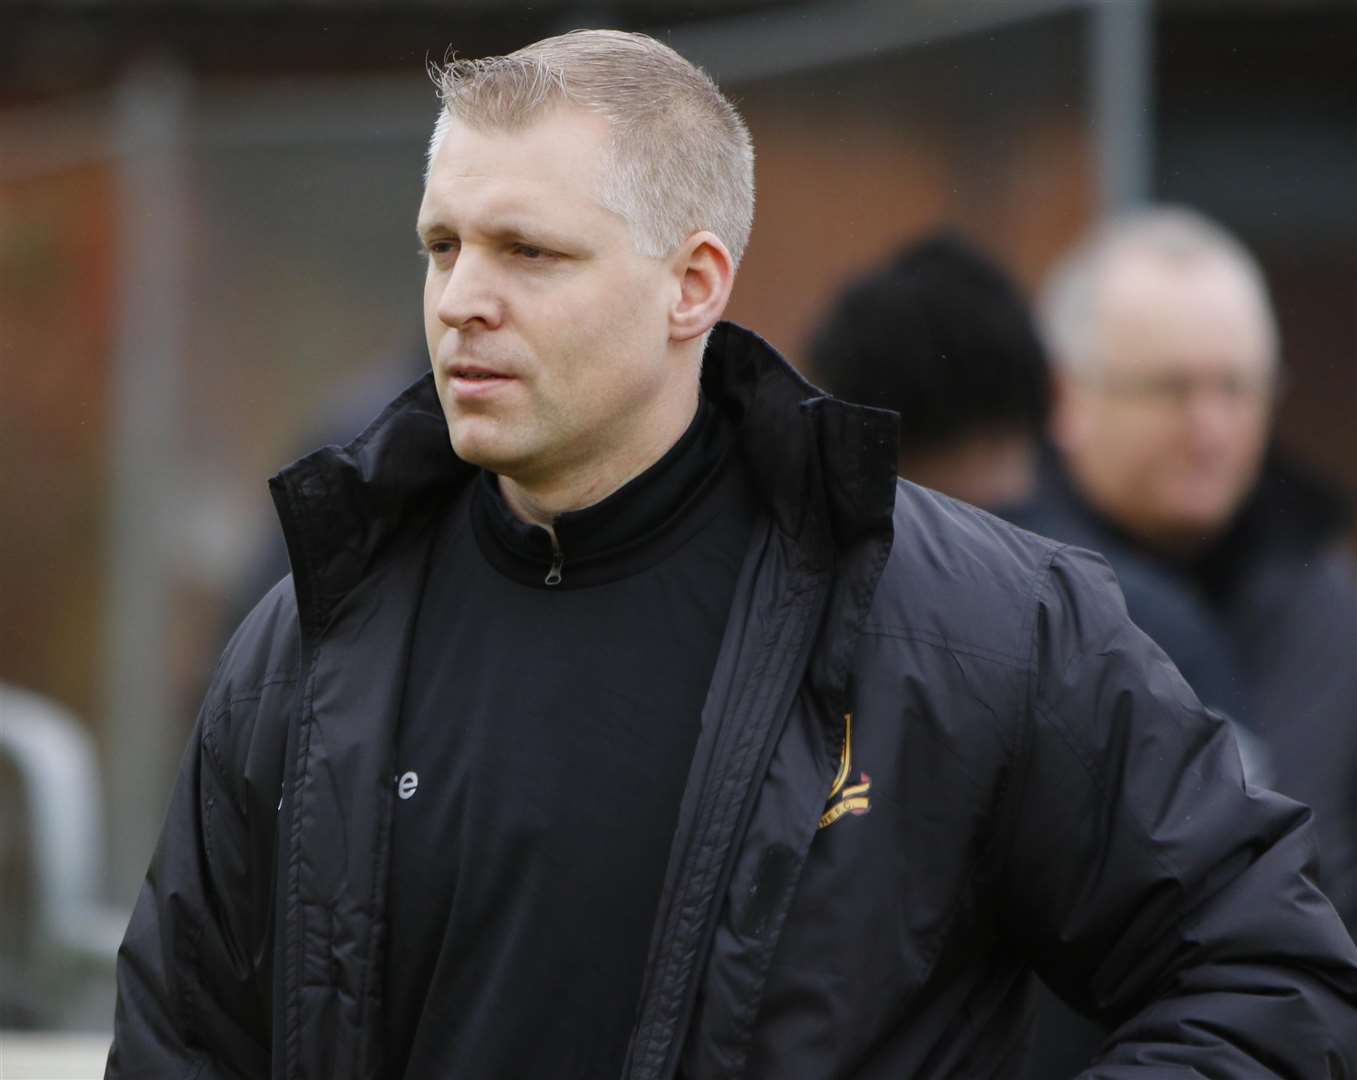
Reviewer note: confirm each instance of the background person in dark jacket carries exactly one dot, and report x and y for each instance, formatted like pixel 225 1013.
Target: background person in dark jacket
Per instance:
pixel 624 715
pixel 940 335
pixel 1234 562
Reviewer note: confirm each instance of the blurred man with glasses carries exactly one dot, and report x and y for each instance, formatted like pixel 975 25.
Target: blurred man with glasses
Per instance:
pixel 1166 344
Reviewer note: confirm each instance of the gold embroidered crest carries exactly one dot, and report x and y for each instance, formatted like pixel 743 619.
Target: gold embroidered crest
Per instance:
pixel 851 798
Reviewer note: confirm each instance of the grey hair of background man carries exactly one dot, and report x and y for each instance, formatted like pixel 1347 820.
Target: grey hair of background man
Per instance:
pixel 681 156
pixel 1174 236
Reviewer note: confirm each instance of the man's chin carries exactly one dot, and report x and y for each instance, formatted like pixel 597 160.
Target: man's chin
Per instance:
pixel 483 453
pixel 475 455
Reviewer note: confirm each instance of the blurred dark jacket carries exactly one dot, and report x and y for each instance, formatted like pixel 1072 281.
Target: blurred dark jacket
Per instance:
pixel 935 753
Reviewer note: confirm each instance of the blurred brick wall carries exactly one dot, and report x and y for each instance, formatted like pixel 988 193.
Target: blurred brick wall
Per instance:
pixel 57 239
pixel 987 134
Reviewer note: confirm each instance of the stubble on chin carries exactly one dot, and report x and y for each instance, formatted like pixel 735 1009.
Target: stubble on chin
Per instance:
pixel 484 442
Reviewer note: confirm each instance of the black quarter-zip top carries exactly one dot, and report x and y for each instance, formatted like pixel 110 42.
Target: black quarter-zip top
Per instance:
pixel 551 708
pixel 643 521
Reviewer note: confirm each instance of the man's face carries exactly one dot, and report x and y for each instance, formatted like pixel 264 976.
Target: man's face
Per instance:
pixel 547 332
pixel 1167 435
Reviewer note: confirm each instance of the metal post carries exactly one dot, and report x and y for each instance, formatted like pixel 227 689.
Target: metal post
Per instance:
pixel 149 121
pixel 764 44
pixel 1120 54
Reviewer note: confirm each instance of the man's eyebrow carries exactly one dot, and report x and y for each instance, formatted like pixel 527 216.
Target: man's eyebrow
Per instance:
pixel 427 228
pixel 521 232
pixel 509 230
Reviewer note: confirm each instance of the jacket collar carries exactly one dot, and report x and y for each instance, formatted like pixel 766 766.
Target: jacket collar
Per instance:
pixel 825 468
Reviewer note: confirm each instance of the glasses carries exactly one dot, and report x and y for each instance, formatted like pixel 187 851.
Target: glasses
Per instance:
pixel 1176 390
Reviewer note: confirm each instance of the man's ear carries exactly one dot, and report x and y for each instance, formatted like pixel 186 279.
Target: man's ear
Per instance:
pixel 705 274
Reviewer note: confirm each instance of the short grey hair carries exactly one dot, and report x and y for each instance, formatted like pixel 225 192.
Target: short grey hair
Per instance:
pixel 1067 306
pixel 681 159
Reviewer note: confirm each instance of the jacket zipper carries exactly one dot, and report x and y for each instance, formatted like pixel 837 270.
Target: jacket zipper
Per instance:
pixel 557 561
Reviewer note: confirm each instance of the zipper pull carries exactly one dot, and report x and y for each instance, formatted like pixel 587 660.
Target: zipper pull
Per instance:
pixel 557 562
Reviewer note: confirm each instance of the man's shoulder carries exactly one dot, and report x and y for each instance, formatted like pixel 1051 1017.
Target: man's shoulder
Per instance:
pixel 1159 597
pixel 958 573
pixel 961 524
pixel 264 653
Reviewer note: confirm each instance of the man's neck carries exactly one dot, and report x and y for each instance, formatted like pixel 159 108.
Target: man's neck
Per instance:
pixel 541 503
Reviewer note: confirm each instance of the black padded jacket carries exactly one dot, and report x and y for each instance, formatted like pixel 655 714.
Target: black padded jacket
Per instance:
pixel 935 757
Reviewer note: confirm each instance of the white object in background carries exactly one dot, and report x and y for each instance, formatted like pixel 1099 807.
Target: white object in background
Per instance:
pixel 64 800
pixel 27 1056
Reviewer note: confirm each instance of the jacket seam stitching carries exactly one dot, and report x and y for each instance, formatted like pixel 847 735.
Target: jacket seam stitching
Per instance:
pixel 1057 722
pixel 294 907
pixel 671 999
pixel 379 884
pixel 194 939
pixel 743 1028
pixel 209 740
pixel 927 637
pixel 1139 832
pixel 224 708
pixel 1014 788
pixel 1004 789
pixel 702 887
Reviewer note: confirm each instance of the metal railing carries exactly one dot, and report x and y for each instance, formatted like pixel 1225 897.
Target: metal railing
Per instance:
pixel 67 966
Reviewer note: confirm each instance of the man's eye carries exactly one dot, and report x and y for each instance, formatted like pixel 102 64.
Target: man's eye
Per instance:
pixel 438 249
pixel 527 251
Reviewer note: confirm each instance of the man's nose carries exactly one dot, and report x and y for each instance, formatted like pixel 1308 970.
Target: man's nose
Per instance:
pixel 468 295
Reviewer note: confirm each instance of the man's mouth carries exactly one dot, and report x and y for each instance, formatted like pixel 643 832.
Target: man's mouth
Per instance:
pixel 476 373
pixel 469 381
